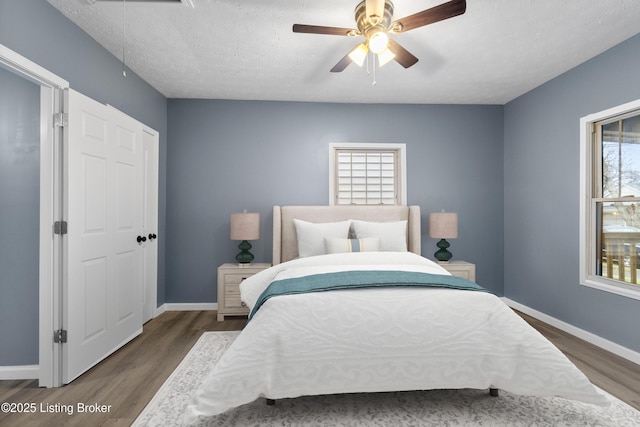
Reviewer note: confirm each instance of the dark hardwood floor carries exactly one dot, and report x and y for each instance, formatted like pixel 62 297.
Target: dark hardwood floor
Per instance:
pixel 614 374
pixel 127 380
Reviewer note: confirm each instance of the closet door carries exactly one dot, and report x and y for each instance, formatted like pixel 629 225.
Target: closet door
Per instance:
pixel 102 295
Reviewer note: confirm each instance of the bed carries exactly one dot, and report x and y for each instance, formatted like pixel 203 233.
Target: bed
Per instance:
pixel 329 319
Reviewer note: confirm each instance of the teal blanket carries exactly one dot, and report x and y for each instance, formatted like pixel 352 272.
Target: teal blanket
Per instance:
pixel 361 279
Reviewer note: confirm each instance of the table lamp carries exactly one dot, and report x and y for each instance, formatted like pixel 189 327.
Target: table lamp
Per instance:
pixel 443 225
pixel 245 226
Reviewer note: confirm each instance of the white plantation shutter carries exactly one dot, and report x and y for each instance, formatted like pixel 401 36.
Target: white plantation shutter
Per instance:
pixel 366 176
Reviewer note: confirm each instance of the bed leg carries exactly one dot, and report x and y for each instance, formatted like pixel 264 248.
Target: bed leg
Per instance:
pixel 271 402
pixel 494 392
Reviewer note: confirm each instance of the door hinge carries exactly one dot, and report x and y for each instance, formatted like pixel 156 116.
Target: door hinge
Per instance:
pixel 60 120
pixel 60 227
pixel 60 336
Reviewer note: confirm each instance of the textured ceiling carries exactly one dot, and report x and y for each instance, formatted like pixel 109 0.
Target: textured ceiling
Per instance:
pixel 226 49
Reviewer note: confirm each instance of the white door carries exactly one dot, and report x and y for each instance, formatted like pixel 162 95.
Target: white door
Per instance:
pixel 102 295
pixel 150 141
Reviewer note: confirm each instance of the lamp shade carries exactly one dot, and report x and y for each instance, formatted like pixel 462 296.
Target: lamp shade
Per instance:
pixel 443 225
pixel 245 226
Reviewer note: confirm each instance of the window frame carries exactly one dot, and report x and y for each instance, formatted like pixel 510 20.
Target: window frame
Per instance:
pixel 401 173
pixel 590 164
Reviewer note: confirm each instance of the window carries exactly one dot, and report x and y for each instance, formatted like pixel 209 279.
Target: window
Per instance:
pixel 610 205
pixel 367 174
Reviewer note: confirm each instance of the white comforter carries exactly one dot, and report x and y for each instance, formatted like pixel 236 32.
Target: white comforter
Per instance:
pixel 371 340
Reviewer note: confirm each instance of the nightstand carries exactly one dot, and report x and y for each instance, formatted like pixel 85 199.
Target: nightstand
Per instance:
pixel 463 269
pixel 230 275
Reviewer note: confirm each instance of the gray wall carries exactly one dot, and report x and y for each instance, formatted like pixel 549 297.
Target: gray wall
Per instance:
pixel 511 172
pixel 542 194
pixel 226 156
pixel 19 217
pixel 37 31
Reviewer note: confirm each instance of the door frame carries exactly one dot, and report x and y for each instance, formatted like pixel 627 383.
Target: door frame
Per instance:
pixel 52 90
pixel 151 169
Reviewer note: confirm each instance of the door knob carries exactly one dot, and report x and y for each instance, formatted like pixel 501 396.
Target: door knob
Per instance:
pixel 152 236
pixel 141 239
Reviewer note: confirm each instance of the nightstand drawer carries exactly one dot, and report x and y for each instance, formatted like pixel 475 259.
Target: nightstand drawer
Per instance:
pixel 233 302
pixel 460 268
pixel 235 279
pixel 463 274
pixel 231 291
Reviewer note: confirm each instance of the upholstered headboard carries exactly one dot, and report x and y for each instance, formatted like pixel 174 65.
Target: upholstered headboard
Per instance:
pixel 285 242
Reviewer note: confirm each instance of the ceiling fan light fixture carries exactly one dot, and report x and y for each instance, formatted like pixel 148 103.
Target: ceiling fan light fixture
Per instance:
pixel 385 56
pixel 374 22
pixel 359 54
pixel 378 42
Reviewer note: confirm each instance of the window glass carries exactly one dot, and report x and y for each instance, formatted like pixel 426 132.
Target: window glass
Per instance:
pixel 621 158
pixel 617 210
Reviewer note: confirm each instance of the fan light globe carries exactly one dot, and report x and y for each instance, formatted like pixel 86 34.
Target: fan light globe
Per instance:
pixel 385 56
pixel 378 42
pixel 359 54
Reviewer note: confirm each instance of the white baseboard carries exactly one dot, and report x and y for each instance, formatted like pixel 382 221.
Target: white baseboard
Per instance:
pixel 594 339
pixel 186 307
pixel 24 372
pixel 159 311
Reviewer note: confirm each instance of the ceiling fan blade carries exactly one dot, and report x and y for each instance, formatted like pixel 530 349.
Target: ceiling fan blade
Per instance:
pixel 318 29
pixel 435 14
pixel 374 10
pixel 342 64
pixel 402 55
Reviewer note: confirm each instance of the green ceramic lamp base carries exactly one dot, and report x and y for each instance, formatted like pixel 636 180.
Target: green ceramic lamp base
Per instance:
pixel 442 254
pixel 244 257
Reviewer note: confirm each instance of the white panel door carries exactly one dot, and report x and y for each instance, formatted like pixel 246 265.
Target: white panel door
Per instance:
pixel 150 141
pixel 102 295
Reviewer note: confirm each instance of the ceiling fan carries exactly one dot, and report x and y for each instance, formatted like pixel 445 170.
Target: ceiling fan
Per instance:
pixel 374 22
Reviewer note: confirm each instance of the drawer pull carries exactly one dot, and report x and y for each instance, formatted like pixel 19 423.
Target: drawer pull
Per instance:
pixel 243 304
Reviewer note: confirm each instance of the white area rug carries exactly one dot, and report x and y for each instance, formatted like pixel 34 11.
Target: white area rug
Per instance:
pixel 420 408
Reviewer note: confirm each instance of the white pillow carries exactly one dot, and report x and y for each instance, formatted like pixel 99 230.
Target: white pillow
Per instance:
pixel 311 235
pixel 393 235
pixel 336 245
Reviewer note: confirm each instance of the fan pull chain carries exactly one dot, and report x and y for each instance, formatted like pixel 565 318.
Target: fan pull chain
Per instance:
pixel 366 71
pixel 374 82
pixel 124 24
